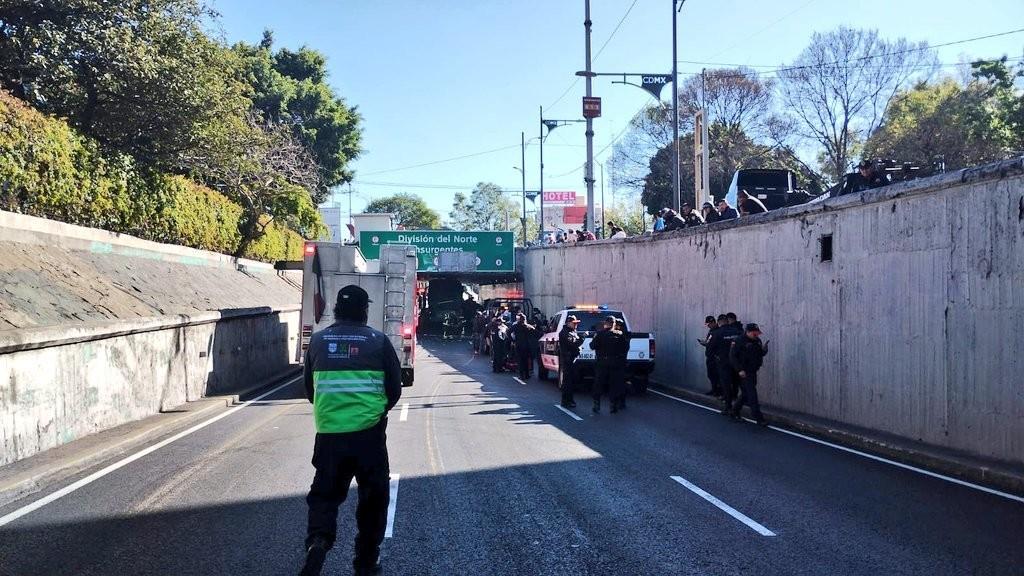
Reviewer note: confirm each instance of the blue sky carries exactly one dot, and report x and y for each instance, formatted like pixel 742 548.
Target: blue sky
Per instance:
pixel 447 78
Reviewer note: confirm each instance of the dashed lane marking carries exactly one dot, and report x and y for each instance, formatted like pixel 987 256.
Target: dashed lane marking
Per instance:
pixel 405 412
pixel 516 378
pixel 570 413
pixel 53 497
pixel 874 457
pixel 392 506
pixel 723 506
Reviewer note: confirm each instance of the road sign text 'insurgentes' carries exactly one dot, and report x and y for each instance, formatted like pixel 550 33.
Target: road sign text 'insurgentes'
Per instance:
pixel 495 251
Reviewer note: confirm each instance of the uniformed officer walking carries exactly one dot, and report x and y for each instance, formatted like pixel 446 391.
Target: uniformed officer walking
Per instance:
pixel 569 343
pixel 353 377
pixel 710 362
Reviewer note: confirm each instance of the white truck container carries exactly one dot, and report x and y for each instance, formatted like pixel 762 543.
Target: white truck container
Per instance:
pixel 391 283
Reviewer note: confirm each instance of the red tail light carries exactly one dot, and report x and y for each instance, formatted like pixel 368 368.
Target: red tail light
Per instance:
pixel 309 249
pixel 650 353
pixel 407 331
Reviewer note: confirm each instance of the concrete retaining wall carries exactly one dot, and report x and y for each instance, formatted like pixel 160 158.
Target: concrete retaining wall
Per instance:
pixel 913 329
pixel 59 384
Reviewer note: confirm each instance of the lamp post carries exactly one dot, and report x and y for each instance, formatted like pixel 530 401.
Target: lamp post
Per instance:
pixel 551 124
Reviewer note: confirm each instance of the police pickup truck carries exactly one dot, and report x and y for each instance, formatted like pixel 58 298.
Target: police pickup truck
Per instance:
pixel 639 363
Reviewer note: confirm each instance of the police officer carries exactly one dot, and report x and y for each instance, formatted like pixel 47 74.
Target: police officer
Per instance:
pixel 523 333
pixel 353 377
pixel 499 344
pixel 569 343
pixel 606 345
pixel 747 355
pixel 709 358
pixel 617 392
pixel 721 340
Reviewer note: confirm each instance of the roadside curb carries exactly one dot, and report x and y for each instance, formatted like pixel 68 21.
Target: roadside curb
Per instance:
pixel 970 470
pixel 35 477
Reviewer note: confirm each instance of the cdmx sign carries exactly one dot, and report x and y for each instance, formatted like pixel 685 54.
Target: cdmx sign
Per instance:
pixel 653 83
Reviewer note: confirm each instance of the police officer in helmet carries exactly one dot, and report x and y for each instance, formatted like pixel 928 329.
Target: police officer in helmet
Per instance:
pixel 353 377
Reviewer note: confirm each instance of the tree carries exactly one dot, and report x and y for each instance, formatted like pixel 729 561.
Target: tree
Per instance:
pixel 486 208
pixel 290 89
pixel 839 87
pixel 139 76
pixel 412 212
pixel 943 120
pixel 266 170
pixel 742 132
pixel 1006 100
pixel 626 215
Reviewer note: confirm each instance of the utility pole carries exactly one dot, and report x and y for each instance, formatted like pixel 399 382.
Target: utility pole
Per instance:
pixel 541 238
pixel 676 196
pixel 589 169
pixel 603 222
pixel 522 138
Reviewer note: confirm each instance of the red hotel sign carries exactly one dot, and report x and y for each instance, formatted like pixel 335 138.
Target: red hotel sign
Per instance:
pixel 560 197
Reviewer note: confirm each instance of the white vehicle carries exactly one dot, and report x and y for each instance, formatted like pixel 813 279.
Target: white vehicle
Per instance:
pixel 639 362
pixel 391 283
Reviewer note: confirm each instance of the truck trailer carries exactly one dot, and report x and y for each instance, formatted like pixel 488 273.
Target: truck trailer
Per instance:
pixel 390 281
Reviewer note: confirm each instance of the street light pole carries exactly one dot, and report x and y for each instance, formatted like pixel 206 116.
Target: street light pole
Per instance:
pixel 589 172
pixel 676 195
pixel 522 138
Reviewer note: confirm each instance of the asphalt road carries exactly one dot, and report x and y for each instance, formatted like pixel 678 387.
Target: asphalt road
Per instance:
pixel 494 479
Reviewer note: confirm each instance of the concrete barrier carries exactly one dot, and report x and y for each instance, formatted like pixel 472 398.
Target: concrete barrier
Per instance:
pixel 61 383
pixel 912 328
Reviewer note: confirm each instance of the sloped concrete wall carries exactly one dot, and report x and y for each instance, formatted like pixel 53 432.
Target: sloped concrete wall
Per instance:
pixel 913 329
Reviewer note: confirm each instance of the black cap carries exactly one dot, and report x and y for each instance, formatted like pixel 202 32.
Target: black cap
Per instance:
pixel 707 205
pixel 864 164
pixel 353 297
pixel 571 318
pixel 709 319
pixel 753 327
pixel 722 317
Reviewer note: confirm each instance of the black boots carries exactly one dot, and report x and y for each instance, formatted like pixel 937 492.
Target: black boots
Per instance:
pixel 315 556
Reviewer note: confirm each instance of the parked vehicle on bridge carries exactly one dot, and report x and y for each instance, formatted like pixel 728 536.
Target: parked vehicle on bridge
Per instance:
pixel 639 362
pixel 774 188
pixel 390 282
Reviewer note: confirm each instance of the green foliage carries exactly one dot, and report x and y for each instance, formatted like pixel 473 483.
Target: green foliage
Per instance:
pixel 486 208
pixel 49 170
pixel 290 88
pixel 625 215
pixel 412 212
pixel 964 124
pixel 138 76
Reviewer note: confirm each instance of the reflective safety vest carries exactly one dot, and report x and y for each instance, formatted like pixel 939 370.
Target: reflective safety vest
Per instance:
pixel 348 400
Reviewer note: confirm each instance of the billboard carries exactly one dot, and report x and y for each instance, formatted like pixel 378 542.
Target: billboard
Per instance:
pixel 495 251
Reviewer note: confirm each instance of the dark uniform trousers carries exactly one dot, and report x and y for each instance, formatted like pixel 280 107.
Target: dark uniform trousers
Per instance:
pixel 567 379
pixel 728 381
pixel 748 396
pixel 337 459
pixel 609 378
pixel 524 360
pixel 712 368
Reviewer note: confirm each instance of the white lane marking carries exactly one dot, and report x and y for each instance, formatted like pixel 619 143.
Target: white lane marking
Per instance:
pixel 516 378
pixel 29 508
pixel 683 401
pixel 723 506
pixel 571 414
pixel 874 457
pixel 405 412
pixel 392 506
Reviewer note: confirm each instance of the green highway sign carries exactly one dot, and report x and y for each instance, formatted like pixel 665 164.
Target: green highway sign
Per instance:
pixel 495 251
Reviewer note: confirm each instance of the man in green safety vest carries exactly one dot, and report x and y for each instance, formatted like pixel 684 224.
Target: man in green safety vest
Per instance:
pixel 352 377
